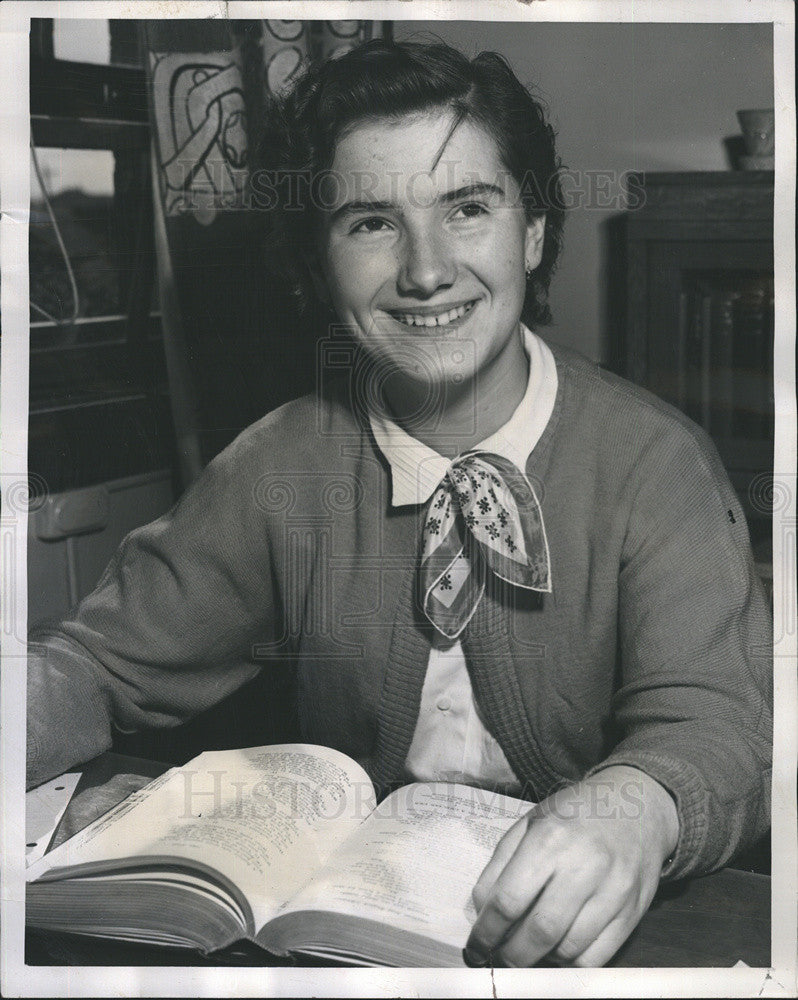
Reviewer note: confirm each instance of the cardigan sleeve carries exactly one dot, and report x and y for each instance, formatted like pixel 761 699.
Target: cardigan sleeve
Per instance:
pixel 169 630
pixel 694 706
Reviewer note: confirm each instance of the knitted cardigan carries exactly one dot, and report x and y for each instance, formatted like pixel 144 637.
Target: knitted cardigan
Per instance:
pixel 654 649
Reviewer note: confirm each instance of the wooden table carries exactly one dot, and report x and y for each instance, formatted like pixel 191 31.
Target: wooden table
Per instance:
pixel 711 921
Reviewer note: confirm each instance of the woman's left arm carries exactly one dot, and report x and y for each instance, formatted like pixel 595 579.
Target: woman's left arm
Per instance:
pixel 695 703
pixel 687 785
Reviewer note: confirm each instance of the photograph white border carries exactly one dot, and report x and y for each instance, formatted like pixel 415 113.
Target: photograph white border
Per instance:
pixel 18 980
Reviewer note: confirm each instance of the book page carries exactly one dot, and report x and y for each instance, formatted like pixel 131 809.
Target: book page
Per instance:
pixel 265 818
pixel 414 862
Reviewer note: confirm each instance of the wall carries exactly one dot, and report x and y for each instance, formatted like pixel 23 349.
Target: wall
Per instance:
pixel 623 97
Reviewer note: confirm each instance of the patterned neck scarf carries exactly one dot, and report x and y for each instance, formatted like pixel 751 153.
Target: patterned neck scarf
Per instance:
pixel 483 517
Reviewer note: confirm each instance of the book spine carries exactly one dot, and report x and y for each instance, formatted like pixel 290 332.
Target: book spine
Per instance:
pixel 693 354
pixel 706 361
pixel 681 352
pixel 723 363
pixel 752 414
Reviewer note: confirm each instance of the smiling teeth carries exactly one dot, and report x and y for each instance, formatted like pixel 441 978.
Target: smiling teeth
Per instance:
pixel 411 319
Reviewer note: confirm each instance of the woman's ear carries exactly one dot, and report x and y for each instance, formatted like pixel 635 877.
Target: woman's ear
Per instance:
pixel 534 241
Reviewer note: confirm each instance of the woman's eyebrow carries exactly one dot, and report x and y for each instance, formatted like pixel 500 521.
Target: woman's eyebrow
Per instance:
pixel 456 194
pixel 362 205
pixel 472 191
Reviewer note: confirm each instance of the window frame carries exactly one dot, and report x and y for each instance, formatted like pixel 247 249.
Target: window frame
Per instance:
pixel 114 360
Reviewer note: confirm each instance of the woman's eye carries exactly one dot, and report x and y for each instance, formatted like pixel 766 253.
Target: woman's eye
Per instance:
pixel 370 226
pixel 471 210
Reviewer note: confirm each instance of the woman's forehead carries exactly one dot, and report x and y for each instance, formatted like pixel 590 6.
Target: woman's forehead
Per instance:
pixel 392 152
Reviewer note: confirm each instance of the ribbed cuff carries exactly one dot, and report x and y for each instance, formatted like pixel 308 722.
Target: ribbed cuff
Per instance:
pixel 686 787
pixel 68 717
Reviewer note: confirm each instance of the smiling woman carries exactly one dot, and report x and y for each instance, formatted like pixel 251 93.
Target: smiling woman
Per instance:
pixel 385 83
pixel 442 253
pixel 485 559
pixel 434 201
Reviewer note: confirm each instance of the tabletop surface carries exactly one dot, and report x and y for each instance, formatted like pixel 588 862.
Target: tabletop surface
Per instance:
pixel 712 921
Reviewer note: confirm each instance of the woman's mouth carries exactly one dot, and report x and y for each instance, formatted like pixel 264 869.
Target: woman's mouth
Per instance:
pixel 430 318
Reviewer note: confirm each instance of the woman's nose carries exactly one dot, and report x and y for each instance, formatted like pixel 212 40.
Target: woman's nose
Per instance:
pixel 427 264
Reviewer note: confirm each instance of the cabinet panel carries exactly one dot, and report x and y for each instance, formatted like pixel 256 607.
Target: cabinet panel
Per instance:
pixel 700 316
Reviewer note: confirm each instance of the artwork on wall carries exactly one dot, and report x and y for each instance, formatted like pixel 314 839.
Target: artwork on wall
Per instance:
pixel 200 120
pixel 287 44
pixel 199 108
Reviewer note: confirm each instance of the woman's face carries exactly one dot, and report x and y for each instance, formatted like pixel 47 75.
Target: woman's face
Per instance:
pixel 423 248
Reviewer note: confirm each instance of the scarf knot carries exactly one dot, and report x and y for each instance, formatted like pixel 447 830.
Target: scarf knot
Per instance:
pixel 484 517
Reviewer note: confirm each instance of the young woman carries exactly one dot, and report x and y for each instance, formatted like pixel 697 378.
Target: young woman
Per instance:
pixel 485 558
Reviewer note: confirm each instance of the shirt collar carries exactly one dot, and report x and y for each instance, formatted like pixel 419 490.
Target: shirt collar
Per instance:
pixel 417 469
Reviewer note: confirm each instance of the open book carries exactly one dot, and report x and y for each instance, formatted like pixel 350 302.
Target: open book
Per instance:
pixel 284 846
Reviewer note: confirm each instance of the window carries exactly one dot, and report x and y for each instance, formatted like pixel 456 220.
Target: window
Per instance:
pixel 99 406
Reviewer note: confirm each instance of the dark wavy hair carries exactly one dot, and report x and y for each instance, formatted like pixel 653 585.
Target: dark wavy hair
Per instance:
pixel 381 79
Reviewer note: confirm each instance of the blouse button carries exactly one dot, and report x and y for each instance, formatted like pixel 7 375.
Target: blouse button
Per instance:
pixel 444 704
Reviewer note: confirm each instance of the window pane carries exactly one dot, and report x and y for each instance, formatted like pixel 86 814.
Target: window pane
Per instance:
pixel 82 40
pixel 80 185
pixel 97 41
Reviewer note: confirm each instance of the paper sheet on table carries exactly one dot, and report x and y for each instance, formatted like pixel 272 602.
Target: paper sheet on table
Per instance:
pixel 44 807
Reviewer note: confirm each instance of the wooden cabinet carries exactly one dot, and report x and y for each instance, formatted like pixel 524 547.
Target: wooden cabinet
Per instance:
pixel 693 314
